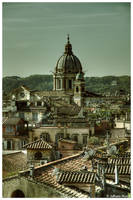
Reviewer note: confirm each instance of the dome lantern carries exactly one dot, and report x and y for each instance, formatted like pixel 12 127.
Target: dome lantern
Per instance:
pixel 68 47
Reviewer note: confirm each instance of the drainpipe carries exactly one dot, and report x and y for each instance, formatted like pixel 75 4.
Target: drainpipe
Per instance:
pixel 98 169
pixel 116 175
pixel 103 177
pixel 31 170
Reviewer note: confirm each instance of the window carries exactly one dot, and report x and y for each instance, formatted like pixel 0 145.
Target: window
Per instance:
pixel 38 155
pixel 45 136
pixel 39 103
pixel 35 138
pixel 9 145
pixel 58 136
pixel 9 129
pixel 85 139
pixel 58 84
pixel 75 138
pixel 34 116
pixel 83 89
pixel 70 84
pixel 77 89
pixel 67 136
pixel 21 115
pixel 90 131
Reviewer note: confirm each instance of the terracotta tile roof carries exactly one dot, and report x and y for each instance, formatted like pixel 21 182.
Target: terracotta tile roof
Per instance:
pixel 67 140
pixel 4 119
pixel 48 179
pixel 76 177
pixel 12 121
pixel 120 160
pixel 122 169
pixel 44 174
pixel 13 162
pixel 70 168
pixel 68 109
pixel 38 144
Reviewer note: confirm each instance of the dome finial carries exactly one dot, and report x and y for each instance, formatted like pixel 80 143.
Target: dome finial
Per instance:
pixel 68 38
pixel 68 47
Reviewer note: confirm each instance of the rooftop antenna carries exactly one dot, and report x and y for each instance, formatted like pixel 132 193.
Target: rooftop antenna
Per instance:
pixel 113 150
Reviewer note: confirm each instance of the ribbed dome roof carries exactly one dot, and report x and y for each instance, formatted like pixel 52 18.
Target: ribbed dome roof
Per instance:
pixel 68 62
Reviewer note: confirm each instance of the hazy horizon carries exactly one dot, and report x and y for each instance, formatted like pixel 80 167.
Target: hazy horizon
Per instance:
pixel 35 34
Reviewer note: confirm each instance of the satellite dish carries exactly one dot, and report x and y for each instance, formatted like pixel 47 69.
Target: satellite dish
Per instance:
pixel 91 152
pixel 56 171
pixel 113 150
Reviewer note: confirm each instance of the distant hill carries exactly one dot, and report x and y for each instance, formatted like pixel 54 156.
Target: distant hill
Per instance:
pixel 45 82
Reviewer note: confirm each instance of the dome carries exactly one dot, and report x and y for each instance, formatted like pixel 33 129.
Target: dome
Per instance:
pixel 68 62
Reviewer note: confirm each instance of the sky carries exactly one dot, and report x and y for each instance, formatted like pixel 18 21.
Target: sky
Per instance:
pixel 35 34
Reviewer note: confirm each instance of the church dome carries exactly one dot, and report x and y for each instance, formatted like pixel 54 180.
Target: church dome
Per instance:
pixel 68 62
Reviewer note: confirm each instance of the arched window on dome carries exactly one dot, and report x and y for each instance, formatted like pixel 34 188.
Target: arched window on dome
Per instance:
pixel 58 84
pixel 83 89
pixel 77 89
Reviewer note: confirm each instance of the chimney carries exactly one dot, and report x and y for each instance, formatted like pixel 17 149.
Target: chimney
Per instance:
pixel 31 170
pixel 116 175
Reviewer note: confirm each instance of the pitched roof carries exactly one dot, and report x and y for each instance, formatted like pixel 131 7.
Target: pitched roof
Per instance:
pixel 68 109
pixel 122 169
pixel 44 174
pixel 120 160
pixel 12 121
pixel 68 166
pixel 67 140
pixel 38 144
pixel 76 177
pixel 13 162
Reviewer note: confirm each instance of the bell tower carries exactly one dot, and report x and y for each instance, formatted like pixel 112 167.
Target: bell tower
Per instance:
pixel 79 89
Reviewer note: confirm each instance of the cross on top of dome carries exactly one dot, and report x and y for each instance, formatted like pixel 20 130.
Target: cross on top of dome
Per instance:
pixel 68 38
pixel 68 47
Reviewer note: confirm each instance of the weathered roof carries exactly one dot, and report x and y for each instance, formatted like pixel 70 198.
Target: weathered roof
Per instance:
pixel 68 166
pixel 12 121
pixel 120 160
pixel 51 93
pixel 67 141
pixel 13 162
pixel 4 119
pixel 122 169
pixel 68 109
pixel 76 177
pixel 38 144
pixel 91 94
pixel 44 174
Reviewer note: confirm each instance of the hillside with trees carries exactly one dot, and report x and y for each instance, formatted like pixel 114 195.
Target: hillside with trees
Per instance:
pixel 45 82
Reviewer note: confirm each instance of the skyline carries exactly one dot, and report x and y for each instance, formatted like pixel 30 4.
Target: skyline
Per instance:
pixel 35 34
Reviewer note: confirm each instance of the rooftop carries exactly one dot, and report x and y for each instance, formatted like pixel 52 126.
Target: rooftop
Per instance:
pixel 38 144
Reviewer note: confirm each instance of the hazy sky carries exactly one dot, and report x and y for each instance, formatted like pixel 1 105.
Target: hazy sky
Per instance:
pixel 34 36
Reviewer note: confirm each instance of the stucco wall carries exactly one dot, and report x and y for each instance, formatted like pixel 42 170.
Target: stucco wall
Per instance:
pixel 47 154
pixel 54 130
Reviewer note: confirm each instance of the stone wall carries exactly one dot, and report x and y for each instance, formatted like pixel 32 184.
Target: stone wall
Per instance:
pixel 28 187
